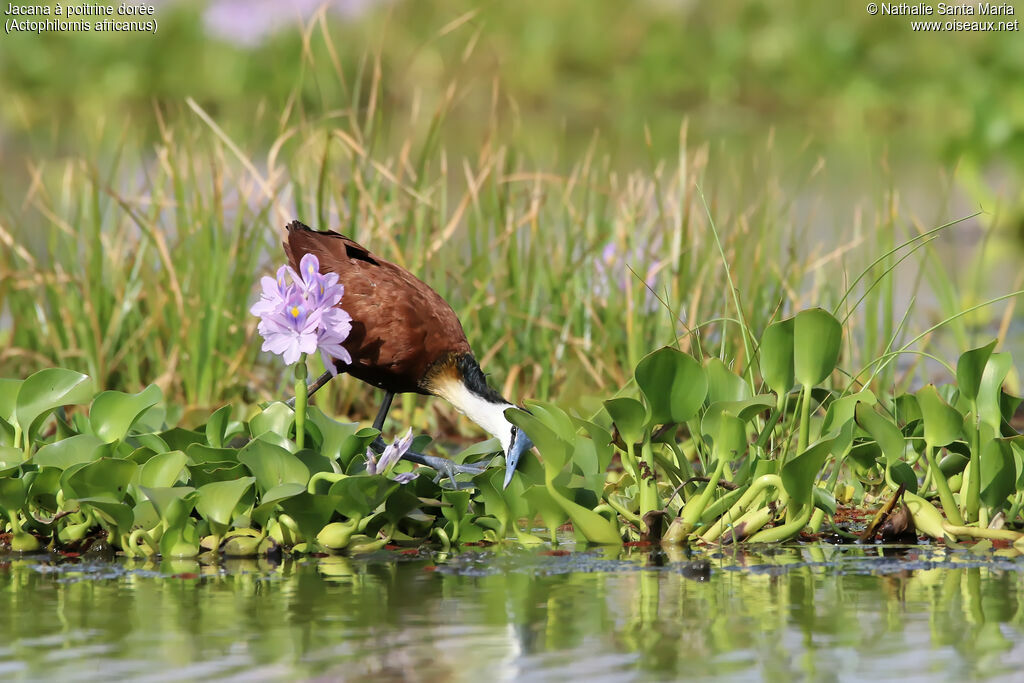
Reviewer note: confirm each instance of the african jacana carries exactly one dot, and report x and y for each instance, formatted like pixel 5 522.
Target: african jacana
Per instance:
pixel 406 338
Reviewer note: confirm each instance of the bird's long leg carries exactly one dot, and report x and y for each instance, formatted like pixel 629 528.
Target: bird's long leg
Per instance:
pixel 313 388
pixel 385 406
pixel 443 466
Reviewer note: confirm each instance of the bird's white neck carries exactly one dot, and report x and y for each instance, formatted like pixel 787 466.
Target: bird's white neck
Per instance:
pixel 490 416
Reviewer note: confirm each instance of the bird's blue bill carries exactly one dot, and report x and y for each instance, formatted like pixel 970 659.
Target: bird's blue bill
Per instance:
pixel 521 444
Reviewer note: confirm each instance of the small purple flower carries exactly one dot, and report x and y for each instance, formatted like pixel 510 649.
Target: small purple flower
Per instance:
pixel 301 316
pixel 390 457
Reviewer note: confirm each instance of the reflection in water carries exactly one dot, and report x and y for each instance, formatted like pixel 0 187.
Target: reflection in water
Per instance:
pixel 811 613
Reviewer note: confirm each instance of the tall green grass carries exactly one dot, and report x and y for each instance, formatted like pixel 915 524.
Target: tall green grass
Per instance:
pixel 139 264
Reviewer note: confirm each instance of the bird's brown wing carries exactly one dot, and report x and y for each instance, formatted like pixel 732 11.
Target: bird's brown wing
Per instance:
pixel 400 326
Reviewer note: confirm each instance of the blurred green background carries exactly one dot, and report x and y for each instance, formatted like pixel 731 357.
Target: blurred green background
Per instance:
pixel 827 72
pixel 585 129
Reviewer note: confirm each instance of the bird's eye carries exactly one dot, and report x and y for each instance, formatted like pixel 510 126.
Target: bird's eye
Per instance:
pixel 515 430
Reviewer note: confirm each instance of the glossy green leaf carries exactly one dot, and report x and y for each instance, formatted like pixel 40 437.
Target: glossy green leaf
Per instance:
pixel 776 356
pixel 942 423
pixel 544 504
pixel 902 473
pixel 359 496
pixel 272 465
pixel 798 474
pixel 199 454
pixel 112 514
pixel 726 432
pixel 47 390
pixel 163 499
pixel 176 439
pixel 310 512
pixel 998 472
pixel 352 453
pixel 270 500
pixel 885 433
pixel 724 384
pixel 107 478
pixel 6 433
pixel 817 340
pixel 12 494
pixel 674 385
pixel 970 368
pixel 113 412
pixel 553 450
pixel 276 417
pixel 44 488
pixel 11 460
pixel 457 505
pixel 629 417
pixel 842 410
pixel 217 427
pixel 9 398
pixel 333 433
pixel 990 393
pixel 219 501
pixel 71 451
pixel 163 469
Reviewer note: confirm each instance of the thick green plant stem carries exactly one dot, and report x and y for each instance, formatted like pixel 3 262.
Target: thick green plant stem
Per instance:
pixel 818 516
pixel 746 501
pixel 805 419
pixel 649 498
pixel 693 510
pixel 942 486
pixel 300 402
pixel 786 531
pixel 972 491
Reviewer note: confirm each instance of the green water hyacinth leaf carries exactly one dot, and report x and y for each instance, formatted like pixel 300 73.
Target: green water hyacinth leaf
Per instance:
pixel 62 454
pixel 776 356
pixel 12 494
pixel 902 473
pixel 970 368
pixel 352 454
pixel 163 469
pixel 996 370
pixel 554 450
pixel 798 474
pixel 942 423
pixel 309 512
pixel 673 384
pixel 7 433
pixel 44 488
pixel 359 496
pixel 9 398
pixel 163 500
pixel 112 514
pixel 817 340
pixel 333 433
pixel 276 417
pixel 885 433
pixel 107 478
pixel 270 500
pixel 629 417
pixel 200 454
pixel 113 413
pixel 545 505
pixel 217 427
pixel 727 433
pixel 272 465
pixel 219 501
pixel 176 439
pixel 44 392
pixel 843 409
pixel 998 472
pixel 11 460
pixel 724 384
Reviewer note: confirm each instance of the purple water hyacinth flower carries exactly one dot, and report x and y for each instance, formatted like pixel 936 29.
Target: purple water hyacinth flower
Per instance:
pixel 390 457
pixel 301 316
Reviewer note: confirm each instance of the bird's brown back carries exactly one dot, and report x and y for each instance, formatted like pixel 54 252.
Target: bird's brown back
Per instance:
pixel 400 326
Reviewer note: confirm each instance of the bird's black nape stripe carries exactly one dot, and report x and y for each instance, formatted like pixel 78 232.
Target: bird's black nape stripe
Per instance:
pixel 473 377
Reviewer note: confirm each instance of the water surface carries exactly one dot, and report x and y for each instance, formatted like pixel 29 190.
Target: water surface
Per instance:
pixel 819 613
